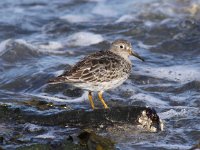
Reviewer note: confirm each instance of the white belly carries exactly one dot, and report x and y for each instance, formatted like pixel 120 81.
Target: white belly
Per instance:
pixel 101 86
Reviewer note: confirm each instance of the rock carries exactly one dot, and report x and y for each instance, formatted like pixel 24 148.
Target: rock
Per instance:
pixel 134 115
pixel 1 140
pixel 196 147
pixel 95 142
pixel 42 105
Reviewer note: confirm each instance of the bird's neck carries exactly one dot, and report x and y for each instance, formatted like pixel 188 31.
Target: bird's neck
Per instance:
pixel 124 56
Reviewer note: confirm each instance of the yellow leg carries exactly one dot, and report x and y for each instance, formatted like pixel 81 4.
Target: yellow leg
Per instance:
pixel 102 100
pixel 90 99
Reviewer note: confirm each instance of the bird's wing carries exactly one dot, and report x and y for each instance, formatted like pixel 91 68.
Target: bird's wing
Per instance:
pixel 100 67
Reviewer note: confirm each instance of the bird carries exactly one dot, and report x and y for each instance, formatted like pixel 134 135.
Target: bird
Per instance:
pixel 101 71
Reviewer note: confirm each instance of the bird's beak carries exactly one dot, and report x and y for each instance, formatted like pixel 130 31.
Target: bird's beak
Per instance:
pixel 136 55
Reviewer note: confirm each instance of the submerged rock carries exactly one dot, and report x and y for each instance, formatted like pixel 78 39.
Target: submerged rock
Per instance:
pixel 95 142
pixel 196 147
pixel 42 105
pixel 1 140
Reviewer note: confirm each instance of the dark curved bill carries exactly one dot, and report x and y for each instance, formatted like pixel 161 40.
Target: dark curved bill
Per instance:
pixel 136 55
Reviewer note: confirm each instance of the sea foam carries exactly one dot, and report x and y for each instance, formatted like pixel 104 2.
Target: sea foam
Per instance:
pixel 178 73
pixel 84 39
pixel 76 18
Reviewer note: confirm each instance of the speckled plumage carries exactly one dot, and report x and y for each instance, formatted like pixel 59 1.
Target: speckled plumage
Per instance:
pixel 102 70
pixel 96 70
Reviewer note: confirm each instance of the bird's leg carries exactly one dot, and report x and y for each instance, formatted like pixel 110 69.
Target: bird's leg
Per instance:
pixel 90 99
pixel 102 100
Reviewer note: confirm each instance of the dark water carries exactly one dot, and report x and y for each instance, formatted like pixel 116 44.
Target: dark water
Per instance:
pixel 39 39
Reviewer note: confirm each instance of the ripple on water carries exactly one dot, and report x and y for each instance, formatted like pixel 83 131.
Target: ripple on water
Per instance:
pixel 16 50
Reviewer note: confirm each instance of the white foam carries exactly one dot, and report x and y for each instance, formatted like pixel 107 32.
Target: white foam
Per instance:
pixel 59 72
pixel 104 10
pixel 60 99
pixel 27 44
pixel 46 136
pixel 152 101
pixel 172 113
pixel 18 10
pixel 145 46
pixel 150 24
pixel 181 98
pixel 172 146
pixel 51 45
pixel 125 18
pixel 179 111
pixel 3 46
pixel 84 39
pixel 179 73
pixel 76 18
pixel 32 127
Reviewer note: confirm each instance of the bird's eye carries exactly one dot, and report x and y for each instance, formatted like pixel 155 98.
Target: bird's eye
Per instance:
pixel 121 46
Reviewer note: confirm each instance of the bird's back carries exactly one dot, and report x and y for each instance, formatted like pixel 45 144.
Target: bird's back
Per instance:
pixel 102 66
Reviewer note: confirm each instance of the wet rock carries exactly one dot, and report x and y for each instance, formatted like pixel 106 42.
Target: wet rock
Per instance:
pixel 67 90
pixel 3 107
pixel 196 147
pixel 70 138
pixel 95 142
pixel 82 118
pixel 150 121
pixel 73 92
pixel 1 140
pixel 16 138
pixel 42 105
pixel 55 88
pixel 67 145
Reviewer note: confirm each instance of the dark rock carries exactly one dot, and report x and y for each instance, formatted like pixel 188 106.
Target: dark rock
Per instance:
pixel 70 138
pixel 196 147
pixel 82 118
pixel 42 105
pixel 95 142
pixel 73 92
pixel 1 140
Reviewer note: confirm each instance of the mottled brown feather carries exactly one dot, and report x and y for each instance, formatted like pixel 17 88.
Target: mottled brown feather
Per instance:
pixel 99 66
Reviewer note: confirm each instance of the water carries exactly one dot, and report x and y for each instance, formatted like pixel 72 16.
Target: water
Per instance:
pixel 39 39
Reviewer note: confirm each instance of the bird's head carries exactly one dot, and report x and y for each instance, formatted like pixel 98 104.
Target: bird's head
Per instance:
pixel 124 49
